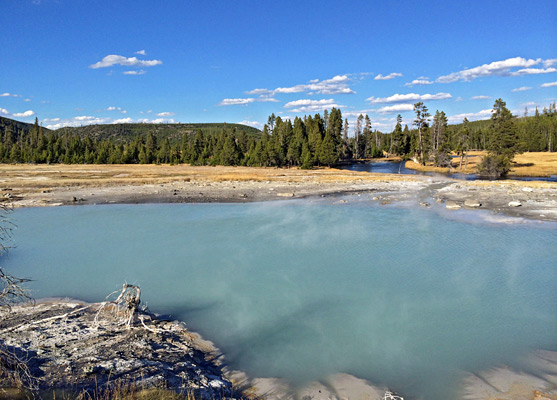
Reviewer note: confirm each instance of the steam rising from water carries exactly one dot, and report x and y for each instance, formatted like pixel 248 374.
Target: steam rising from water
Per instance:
pixel 401 297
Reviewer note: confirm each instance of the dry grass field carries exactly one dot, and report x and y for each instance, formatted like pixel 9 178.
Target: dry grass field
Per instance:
pixel 526 164
pixel 44 177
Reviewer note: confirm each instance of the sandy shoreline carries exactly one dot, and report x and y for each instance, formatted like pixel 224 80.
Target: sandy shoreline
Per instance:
pixel 55 185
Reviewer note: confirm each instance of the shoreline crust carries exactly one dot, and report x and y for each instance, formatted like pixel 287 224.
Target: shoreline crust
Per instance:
pixel 55 185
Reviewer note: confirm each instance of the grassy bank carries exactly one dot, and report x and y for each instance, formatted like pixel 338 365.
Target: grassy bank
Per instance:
pixel 542 164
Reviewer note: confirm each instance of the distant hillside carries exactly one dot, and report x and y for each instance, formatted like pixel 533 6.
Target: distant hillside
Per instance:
pixel 174 132
pixel 15 126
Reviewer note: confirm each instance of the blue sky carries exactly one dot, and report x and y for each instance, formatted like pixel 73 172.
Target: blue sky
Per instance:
pixel 77 62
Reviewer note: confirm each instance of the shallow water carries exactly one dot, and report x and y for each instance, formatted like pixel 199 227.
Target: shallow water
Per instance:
pixel 400 296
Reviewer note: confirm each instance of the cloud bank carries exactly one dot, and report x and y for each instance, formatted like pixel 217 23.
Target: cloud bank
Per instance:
pixel 516 66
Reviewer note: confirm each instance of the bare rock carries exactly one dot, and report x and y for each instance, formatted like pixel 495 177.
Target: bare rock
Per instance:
pixel 72 346
pixel 472 203
pixel 515 203
pixel 285 194
pixel 452 205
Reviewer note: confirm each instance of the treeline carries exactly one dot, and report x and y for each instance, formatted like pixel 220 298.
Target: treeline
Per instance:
pixel 313 140
pixel 304 142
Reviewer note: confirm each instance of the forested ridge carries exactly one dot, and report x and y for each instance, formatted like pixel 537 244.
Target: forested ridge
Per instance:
pixel 321 139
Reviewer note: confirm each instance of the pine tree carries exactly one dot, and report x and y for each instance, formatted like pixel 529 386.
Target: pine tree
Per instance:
pixel 421 122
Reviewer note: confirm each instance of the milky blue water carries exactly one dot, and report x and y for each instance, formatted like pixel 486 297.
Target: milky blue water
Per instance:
pixel 400 296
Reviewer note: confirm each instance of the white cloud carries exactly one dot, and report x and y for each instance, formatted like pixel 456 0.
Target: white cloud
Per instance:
pixel 28 113
pixel 4 111
pixel 123 121
pixel 483 114
pixel 113 59
pixel 396 108
pixel 161 121
pixel 140 72
pixel 480 97
pixel 522 89
pixel 48 120
pixel 400 98
pixel 500 68
pixel 549 84
pixel 336 85
pixel 233 102
pixel 387 77
pixel 166 114
pixel 27 100
pixel 116 109
pixel 308 102
pixel 267 100
pixel 420 81
pixel 142 52
pixel 255 124
pixel 533 71
pixel 77 121
pixel 306 105
pixel 9 95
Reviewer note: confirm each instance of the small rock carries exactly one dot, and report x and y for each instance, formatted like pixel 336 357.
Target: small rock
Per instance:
pixel 472 203
pixel 452 205
pixel 527 189
pixel 515 203
pixel 375 198
pixel 424 204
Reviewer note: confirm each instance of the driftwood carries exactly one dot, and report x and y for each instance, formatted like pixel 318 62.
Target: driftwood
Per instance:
pixel 125 306
pixel 391 396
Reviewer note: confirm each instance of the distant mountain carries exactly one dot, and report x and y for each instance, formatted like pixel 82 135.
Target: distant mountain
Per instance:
pixel 16 126
pixel 174 132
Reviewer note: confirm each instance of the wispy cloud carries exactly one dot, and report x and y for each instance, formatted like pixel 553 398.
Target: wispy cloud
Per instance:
pixel 483 114
pixel 142 52
pixel 9 95
pixel 166 114
pixel 480 97
pixel 387 77
pixel 113 59
pixel 4 111
pixel 420 81
pixel 510 67
pixel 336 85
pixel 140 72
pixel 116 109
pixel 234 102
pixel 549 84
pixel 522 89
pixel 400 98
pixel 396 108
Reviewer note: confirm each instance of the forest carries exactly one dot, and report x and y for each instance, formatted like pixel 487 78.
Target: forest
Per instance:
pixel 319 140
